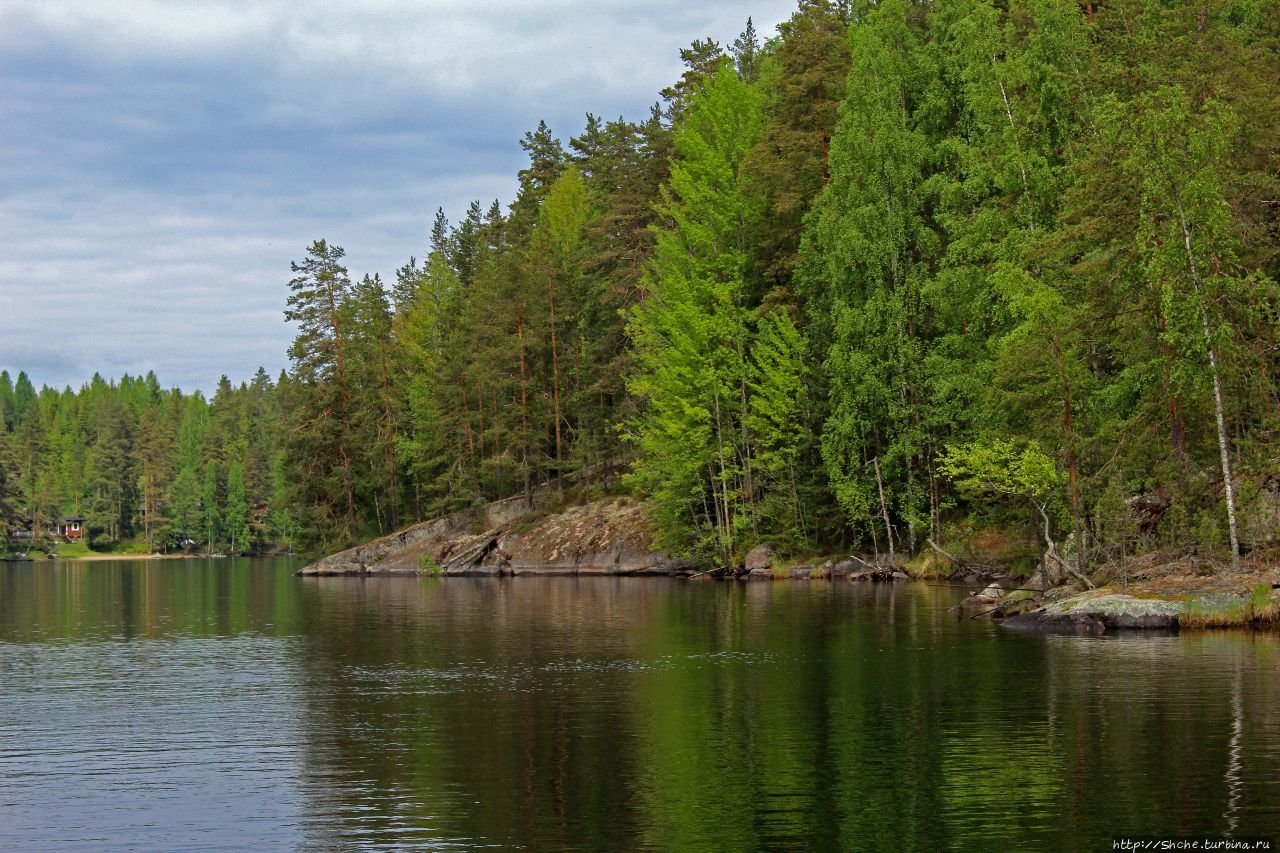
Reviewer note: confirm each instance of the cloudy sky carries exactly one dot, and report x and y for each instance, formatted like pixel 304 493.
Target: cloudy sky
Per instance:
pixel 162 161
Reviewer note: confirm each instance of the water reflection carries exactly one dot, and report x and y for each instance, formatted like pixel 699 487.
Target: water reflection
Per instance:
pixel 228 703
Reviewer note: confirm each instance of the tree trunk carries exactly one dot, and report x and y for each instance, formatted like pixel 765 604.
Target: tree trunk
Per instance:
pixel 1218 409
pixel 393 511
pixel 727 527
pixel 524 406
pixel 555 366
pixel 884 506
pixel 344 447
pixel 1072 462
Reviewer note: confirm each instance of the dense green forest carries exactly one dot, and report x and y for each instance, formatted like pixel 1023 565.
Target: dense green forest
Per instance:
pixel 901 272
pixel 146 465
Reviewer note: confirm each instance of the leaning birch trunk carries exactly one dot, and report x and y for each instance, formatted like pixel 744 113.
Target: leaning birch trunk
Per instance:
pixel 1223 450
pixel 1051 551
pixel 884 506
pixel 1223 446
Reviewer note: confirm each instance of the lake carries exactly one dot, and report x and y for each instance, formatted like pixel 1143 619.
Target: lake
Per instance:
pixel 193 704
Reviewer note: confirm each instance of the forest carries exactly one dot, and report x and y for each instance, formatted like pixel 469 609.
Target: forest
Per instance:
pixel 147 468
pixel 900 273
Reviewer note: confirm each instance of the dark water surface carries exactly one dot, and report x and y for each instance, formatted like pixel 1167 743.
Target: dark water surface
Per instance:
pixel 226 704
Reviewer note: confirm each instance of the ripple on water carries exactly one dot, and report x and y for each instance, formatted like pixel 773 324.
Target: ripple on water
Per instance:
pixel 230 706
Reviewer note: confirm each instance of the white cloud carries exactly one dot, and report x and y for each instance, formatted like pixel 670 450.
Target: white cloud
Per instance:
pixel 162 161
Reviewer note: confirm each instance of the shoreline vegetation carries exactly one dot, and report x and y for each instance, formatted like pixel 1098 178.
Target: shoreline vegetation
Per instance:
pixel 970 286
pixel 609 537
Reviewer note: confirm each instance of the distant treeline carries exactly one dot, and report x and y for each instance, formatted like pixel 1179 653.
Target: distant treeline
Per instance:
pixel 140 462
pixel 903 271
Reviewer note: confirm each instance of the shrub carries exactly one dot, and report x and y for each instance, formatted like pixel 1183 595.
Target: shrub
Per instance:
pixel 428 566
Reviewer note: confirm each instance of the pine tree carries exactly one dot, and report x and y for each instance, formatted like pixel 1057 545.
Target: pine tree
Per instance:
pixel 376 403
pixel 803 80
pixel 746 53
pixel 557 256
pixel 702 60
pixel 8 404
pixel 321 439
pixel 12 497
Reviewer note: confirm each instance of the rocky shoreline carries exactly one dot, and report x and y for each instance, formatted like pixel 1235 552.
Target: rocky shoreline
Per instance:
pixel 513 537
pixel 516 537
pixel 1155 591
pixel 607 537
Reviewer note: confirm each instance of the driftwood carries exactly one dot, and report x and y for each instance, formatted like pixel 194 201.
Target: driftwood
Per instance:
pixel 952 557
pixel 473 553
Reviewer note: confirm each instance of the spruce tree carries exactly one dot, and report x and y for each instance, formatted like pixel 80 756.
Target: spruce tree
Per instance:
pixel 691 332
pixel 236 517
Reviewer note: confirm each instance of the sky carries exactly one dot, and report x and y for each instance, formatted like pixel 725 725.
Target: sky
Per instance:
pixel 163 161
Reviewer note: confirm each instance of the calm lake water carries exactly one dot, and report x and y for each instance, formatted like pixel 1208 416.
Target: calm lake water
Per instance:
pixel 226 704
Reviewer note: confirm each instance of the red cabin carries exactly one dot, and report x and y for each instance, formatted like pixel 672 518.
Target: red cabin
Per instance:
pixel 71 527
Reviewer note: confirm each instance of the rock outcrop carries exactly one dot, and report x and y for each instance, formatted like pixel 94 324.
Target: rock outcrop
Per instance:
pixel 1101 613
pixel 609 537
pixel 759 558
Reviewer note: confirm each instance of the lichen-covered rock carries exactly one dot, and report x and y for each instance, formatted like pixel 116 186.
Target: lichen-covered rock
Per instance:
pixel 759 557
pixel 1103 611
pixel 400 553
pixel 605 537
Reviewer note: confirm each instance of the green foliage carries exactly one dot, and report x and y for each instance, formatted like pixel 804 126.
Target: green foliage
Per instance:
pixel 1114 524
pixel 779 398
pixel 690 335
pixel 841 287
pixel 1002 468
pixel 134 460
pixel 237 509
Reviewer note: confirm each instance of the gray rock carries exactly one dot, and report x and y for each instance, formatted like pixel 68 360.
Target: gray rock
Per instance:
pixel 843 569
pixel 1102 612
pixel 760 557
pixel 605 537
pixel 1072 623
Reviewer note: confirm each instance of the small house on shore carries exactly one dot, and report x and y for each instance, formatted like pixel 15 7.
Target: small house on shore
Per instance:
pixel 71 527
